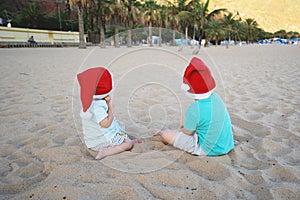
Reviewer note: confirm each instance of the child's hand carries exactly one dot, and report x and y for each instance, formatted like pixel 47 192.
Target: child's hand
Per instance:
pixel 108 101
pixel 107 98
pixel 106 122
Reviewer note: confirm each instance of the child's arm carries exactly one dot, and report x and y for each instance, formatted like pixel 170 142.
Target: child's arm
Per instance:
pixel 106 122
pixel 188 132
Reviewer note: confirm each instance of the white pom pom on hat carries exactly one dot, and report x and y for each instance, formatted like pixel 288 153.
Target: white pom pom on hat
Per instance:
pixel 198 81
pixel 85 115
pixel 94 83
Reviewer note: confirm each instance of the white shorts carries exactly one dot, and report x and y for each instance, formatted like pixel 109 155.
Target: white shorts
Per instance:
pixel 118 139
pixel 188 143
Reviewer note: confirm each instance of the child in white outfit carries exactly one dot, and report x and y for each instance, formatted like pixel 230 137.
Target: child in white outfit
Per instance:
pixel 101 130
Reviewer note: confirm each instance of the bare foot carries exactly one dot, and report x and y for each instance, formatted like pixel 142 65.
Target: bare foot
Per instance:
pixel 101 154
pixel 156 132
pixel 137 140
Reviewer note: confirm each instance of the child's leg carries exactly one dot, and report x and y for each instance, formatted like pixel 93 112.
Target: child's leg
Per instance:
pixel 109 151
pixel 188 143
pixel 168 136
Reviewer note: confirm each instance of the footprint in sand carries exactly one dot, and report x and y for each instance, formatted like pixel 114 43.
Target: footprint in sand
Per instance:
pixel 264 157
pixel 19 170
pixel 209 168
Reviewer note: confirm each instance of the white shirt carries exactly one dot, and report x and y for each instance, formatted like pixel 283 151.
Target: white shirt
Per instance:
pixel 94 134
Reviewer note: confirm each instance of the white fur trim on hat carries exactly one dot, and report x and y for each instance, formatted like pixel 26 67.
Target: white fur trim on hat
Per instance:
pixel 85 115
pixel 199 96
pixel 185 87
pixel 101 96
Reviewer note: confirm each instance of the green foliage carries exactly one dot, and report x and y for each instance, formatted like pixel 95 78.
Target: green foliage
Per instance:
pixel 32 16
pixel 286 35
pixel 214 31
pixel 261 34
pixel 102 15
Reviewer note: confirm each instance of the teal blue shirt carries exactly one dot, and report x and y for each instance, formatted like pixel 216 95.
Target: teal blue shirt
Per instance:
pixel 210 119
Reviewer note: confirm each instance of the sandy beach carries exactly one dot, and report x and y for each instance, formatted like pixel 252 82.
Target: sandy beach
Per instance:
pixel 43 155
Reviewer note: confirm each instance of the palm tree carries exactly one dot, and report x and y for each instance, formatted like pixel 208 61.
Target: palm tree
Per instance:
pixel 31 14
pixel 202 16
pixel 228 22
pixel 295 34
pixel 161 22
pixel 172 19
pixel 214 30
pixel 291 34
pixel 251 25
pixel 91 19
pixel 194 7
pixel 238 31
pixel 185 20
pixel 177 12
pixel 104 13
pixel 281 34
pixel 131 17
pixel 117 16
pixel 261 34
pixel 149 8
pixel 79 4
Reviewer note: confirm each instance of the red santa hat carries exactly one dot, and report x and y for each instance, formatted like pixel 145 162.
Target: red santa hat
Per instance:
pixel 94 83
pixel 197 80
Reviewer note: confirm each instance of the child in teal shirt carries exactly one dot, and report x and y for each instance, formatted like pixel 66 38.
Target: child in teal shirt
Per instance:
pixel 207 129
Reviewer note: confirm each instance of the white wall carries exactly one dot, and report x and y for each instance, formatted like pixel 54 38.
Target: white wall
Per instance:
pixel 23 34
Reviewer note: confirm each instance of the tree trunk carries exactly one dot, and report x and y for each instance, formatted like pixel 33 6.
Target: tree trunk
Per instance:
pixel 82 44
pixel 200 36
pixel 102 34
pixel 129 42
pixel 227 44
pixel 159 36
pixel 186 34
pixel 173 38
pixel 181 38
pixel 117 39
pixel 194 35
pixel 235 40
pixel 206 42
pixel 150 34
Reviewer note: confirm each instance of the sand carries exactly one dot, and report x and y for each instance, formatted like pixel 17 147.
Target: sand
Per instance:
pixel 43 156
